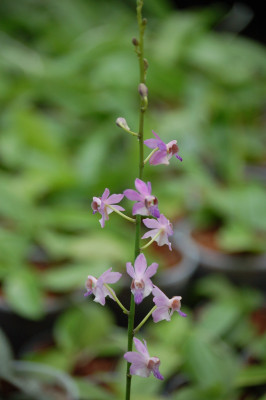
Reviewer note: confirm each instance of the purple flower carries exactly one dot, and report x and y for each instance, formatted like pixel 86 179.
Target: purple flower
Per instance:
pixel 141 362
pixel 100 204
pixel 165 151
pixel 141 285
pixel 165 306
pixel 97 286
pixel 161 228
pixel 147 204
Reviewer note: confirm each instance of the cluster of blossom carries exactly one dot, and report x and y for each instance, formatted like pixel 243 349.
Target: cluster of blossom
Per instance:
pixel 160 227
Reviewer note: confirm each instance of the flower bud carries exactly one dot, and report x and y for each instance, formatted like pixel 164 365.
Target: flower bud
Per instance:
pixel 122 123
pixel 135 41
pixel 146 64
pixel 144 21
pixel 143 90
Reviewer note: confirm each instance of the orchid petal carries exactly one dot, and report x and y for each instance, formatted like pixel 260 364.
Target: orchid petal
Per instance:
pixel 151 143
pixel 140 265
pixel 151 223
pixel 130 270
pixel 115 198
pixel 141 187
pixel 141 347
pixel 132 195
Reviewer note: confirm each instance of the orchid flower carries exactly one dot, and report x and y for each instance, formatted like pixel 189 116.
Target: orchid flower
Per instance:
pixel 160 230
pixel 141 285
pixel 141 362
pixel 147 204
pixel 164 152
pixel 105 205
pixel 98 286
pixel 165 306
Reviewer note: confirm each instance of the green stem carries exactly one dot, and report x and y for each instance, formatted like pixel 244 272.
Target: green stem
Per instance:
pixel 129 131
pixel 149 156
pixel 116 298
pixel 144 319
pixel 152 240
pixel 143 107
pixel 121 214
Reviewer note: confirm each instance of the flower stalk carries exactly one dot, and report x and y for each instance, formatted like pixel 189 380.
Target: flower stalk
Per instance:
pixel 143 107
pixel 144 319
pixel 152 240
pixel 121 214
pixel 125 311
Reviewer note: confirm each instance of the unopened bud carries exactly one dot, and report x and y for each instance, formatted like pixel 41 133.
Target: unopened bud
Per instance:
pixel 144 21
pixel 135 41
pixel 143 90
pixel 146 64
pixel 122 123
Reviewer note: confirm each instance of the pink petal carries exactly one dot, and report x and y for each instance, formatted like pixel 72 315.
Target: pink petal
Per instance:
pixel 151 270
pixel 140 209
pixel 130 270
pixel 140 265
pixel 109 277
pixel 141 187
pixel 148 288
pixel 138 295
pixel 140 370
pixel 132 195
pixel 157 136
pixel 151 143
pixel 160 299
pixel 151 234
pixel 115 198
pixel 105 194
pixel 141 348
pixel 181 313
pixel 149 187
pixel 152 223
pixel 160 314
pixel 99 296
pixel 160 157
pixel 134 357
pixel 157 374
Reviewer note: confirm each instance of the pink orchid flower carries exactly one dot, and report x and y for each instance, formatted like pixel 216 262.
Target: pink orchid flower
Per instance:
pixel 98 288
pixel 147 204
pixel 100 204
pixel 141 362
pixel 160 228
pixel 141 285
pixel 165 151
pixel 165 306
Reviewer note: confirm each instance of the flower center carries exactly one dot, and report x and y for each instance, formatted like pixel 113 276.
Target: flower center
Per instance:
pixel 137 284
pixel 90 283
pixel 150 201
pixel 173 149
pixel 153 362
pixel 95 205
pixel 175 302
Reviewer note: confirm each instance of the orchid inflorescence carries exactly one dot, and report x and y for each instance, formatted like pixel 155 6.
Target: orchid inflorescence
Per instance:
pixel 146 204
pixel 159 229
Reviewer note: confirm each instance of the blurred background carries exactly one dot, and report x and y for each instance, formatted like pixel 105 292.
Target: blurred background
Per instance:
pixel 68 70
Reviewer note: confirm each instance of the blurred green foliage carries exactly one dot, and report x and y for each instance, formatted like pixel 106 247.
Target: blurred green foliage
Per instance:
pixel 68 71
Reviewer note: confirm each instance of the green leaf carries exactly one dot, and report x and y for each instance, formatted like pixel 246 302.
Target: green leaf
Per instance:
pixel 252 375
pixel 5 355
pixel 23 293
pixel 83 328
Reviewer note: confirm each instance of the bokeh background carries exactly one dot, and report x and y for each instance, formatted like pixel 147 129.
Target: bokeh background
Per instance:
pixel 68 70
